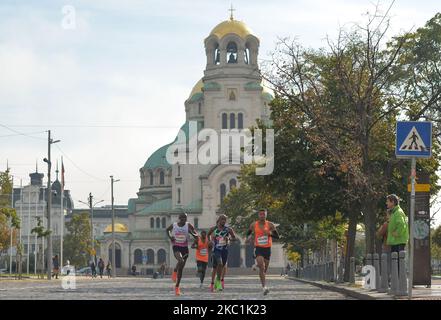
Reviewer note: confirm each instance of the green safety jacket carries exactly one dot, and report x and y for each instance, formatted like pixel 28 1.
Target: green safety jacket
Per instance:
pixel 398 225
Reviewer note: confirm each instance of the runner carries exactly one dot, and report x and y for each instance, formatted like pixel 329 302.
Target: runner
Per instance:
pixel 201 244
pixel 219 237
pixel 178 233
pixel 264 231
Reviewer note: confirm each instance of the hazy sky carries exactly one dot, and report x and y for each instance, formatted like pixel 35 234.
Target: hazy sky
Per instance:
pixel 113 89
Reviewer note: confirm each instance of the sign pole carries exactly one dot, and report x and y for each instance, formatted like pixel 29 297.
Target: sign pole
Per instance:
pixel 411 216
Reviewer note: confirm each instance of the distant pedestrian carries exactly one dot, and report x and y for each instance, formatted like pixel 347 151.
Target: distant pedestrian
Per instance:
pixel 109 269
pixel 56 266
pixel 382 233
pixel 101 267
pixel 134 270
pixel 397 229
pixel 93 269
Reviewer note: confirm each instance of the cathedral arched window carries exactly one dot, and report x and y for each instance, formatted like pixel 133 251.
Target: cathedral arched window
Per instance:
pixel 179 170
pixel 150 256
pixel 224 121
pixel 247 56
pixel 161 177
pixel 216 55
pixel 161 256
pixel 179 195
pixel 233 183
pixel 223 192
pixel 163 223
pixel 138 256
pixel 240 121
pixel 151 177
pixel 232 121
pixel 152 223
pixel 158 223
pixel 199 108
pixel 231 52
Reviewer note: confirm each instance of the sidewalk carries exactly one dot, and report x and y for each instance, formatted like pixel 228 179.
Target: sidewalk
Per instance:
pixel 358 292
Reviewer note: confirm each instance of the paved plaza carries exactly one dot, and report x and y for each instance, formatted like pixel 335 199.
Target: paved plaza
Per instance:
pixel 141 288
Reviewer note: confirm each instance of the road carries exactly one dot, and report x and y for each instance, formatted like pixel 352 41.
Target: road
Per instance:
pixel 139 288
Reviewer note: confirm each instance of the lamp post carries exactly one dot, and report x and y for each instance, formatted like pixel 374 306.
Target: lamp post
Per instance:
pixel 113 228
pixel 50 141
pixel 91 206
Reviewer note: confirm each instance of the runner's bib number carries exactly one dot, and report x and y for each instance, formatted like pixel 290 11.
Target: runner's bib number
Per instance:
pixel 203 252
pixel 262 240
pixel 180 238
pixel 221 242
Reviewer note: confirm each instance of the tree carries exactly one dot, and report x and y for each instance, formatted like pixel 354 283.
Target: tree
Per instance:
pixel 77 243
pixel 347 98
pixel 8 214
pixel 436 236
pixel 41 233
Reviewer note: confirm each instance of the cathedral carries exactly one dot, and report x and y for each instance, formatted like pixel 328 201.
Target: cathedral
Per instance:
pixel 229 96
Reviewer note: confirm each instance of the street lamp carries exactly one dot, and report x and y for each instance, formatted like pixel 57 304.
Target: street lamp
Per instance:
pixel 91 206
pixel 50 141
pixel 113 229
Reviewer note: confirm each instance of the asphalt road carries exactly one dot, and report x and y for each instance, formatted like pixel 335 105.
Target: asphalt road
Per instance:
pixel 140 288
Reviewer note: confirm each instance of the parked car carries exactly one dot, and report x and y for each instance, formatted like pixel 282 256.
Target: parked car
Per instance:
pixel 86 271
pixel 3 271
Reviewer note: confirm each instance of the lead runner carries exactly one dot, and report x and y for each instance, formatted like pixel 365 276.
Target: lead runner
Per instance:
pixel 264 231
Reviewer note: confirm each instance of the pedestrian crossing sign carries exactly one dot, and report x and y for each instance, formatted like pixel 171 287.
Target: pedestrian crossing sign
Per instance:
pixel 413 139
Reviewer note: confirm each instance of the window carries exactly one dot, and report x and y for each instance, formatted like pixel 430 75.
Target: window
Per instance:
pixel 179 195
pixel 232 183
pixel 152 223
pixel 199 108
pixel 137 256
pixel 224 121
pixel 223 192
pixel 231 52
pixel 161 177
pixel 232 121
pixel 196 223
pixel 163 223
pixel 179 170
pixel 161 256
pixel 247 56
pixel 150 256
pixel 240 121
pixel 158 223
pixel 216 55
pixel 151 177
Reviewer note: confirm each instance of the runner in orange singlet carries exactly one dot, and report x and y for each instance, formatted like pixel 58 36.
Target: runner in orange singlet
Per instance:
pixel 264 231
pixel 201 244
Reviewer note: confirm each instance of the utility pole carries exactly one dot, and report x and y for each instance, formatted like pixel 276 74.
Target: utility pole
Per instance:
pixel 113 230
pixel 91 205
pixel 49 203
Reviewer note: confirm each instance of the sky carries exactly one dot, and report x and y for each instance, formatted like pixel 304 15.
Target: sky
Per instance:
pixel 112 85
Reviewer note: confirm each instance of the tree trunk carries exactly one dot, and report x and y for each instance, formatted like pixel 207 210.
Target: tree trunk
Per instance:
pixel 350 243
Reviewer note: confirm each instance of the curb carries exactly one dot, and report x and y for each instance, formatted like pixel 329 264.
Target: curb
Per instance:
pixel 346 291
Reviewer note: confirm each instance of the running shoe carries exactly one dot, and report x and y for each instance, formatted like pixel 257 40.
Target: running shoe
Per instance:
pixel 218 285
pixel 201 286
pixel 178 291
pixel 265 291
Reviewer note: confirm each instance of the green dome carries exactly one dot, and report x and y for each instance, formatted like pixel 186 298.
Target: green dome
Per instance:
pixel 158 159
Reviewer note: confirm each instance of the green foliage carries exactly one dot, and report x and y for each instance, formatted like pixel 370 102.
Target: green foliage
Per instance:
pixel 8 214
pixel 77 243
pixel 436 236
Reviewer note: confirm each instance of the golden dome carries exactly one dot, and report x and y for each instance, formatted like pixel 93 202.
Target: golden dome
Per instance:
pixel 119 227
pixel 231 26
pixel 197 88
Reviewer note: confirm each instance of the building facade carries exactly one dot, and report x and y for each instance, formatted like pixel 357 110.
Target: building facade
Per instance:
pixel 229 96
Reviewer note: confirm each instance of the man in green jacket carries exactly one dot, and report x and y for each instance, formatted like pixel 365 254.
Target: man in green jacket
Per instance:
pixel 397 229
